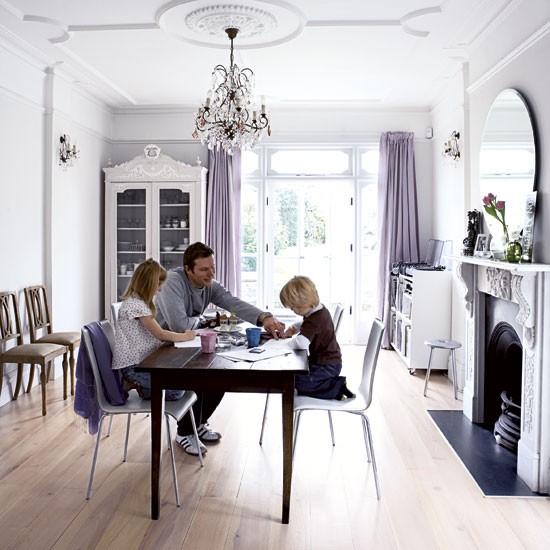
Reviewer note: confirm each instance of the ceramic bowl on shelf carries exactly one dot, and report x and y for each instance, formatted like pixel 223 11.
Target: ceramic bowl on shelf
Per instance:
pixel 168 248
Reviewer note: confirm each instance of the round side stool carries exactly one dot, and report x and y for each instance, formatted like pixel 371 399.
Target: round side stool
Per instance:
pixel 441 344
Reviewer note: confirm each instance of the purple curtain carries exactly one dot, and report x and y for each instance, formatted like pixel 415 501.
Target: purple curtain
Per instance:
pixel 397 215
pixel 223 216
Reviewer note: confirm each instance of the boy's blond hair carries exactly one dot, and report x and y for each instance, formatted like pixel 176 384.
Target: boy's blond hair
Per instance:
pixel 145 282
pixel 299 292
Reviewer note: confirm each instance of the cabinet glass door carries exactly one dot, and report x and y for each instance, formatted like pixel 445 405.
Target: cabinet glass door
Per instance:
pixel 175 219
pixel 131 223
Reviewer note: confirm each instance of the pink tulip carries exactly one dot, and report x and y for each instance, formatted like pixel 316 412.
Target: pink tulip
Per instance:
pixel 486 200
pixel 500 205
pixel 491 197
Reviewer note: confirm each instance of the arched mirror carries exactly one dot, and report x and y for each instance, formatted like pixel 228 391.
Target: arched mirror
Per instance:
pixel 508 159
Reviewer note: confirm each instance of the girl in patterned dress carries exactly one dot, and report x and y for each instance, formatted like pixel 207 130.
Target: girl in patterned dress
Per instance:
pixel 137 333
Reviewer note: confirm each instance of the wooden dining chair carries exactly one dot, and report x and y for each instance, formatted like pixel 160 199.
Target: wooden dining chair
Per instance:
pixel 21 354
pixel 41 331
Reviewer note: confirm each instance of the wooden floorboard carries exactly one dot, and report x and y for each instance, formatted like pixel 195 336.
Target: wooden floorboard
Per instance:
pixel 428 498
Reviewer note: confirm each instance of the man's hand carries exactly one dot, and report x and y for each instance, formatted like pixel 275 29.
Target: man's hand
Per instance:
pixel 274 327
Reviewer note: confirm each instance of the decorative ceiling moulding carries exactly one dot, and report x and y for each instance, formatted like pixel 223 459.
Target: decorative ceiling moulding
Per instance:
pixel 419 23
pixel 53 30
pixel 260 23
pixel 251 22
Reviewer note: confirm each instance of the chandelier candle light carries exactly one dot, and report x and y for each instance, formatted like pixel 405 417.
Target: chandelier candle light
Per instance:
pixel 229 117
pixel 68 152
pixel 451 149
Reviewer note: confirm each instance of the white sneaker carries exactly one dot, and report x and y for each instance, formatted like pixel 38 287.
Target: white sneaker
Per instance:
pixel 207 434
pixel 189 444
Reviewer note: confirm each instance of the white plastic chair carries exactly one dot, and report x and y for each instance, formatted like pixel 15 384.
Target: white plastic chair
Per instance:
pixel 357 405
pixel 337 317
pixel 134 404
pixel 115 308
pixel 336 321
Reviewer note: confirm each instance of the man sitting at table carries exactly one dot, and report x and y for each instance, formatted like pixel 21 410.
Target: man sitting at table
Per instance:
pixel 185 296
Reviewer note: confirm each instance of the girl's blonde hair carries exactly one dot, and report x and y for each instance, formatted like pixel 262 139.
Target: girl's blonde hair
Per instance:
pixel 145 282
pixel 299 292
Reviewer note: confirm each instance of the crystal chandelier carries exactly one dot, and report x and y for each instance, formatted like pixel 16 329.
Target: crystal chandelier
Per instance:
pixel 229 117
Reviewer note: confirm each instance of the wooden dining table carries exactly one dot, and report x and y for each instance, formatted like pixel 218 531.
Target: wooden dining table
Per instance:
pixel 180 368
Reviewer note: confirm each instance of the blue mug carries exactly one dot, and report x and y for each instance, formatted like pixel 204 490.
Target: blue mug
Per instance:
pixel 253 336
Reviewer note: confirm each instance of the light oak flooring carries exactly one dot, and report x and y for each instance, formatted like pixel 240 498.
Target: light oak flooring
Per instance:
pixel 428 501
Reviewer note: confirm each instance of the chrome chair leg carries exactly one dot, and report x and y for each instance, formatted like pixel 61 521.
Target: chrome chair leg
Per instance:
pixel 110 425
pixel 428 372
pixel 196 435
pixel 127 437
pixel 454 372
pixel 368 443
pixel 265 416
pixel 170 446
pixel 331 428
pixel 94 460
pixel 297 416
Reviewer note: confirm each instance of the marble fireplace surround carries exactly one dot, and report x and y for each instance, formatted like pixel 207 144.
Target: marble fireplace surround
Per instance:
pixel 527 285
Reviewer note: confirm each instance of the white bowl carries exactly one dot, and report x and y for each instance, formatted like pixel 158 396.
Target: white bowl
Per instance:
pixel 167 248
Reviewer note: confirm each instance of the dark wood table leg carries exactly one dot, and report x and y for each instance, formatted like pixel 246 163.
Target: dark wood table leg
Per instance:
pixel 157 413
pixel 288 413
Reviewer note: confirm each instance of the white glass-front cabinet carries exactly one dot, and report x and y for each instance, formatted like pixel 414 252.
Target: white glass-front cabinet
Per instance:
pixel 153 209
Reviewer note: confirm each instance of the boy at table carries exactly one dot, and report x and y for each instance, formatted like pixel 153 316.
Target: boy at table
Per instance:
pixel 186 294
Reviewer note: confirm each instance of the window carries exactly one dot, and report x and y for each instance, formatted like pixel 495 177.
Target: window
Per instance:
pixel 312 211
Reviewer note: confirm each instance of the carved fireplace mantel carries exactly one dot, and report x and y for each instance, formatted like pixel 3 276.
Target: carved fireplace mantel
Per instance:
pixel 528 286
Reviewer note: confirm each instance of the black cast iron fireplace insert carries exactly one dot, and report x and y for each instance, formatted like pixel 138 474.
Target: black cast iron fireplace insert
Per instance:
pixel 502 395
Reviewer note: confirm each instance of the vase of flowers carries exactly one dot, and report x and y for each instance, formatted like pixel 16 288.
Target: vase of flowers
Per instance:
pixel 509 250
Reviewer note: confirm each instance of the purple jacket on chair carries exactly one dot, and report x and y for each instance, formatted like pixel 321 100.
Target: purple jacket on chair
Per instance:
pixel 85 401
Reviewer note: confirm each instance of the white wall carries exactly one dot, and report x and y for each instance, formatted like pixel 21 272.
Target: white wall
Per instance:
pixel 51 220
pixel 514 54
pixel 525 68
pixel 134 129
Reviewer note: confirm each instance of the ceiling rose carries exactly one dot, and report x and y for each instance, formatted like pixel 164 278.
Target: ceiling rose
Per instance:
pixel 213 20
pixel 203 22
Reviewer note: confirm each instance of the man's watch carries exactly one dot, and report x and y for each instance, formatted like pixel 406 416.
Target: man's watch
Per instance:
pixel 262 317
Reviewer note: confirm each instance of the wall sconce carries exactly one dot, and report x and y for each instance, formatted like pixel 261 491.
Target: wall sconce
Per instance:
pixel 68 152
pixel 451 151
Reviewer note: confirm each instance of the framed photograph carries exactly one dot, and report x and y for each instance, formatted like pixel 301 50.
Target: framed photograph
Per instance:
pixel 482 245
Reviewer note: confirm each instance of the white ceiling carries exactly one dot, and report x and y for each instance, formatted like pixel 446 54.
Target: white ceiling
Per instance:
pixel 373 53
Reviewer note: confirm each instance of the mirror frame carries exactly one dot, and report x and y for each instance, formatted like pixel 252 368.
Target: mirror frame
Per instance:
pixel 488 221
